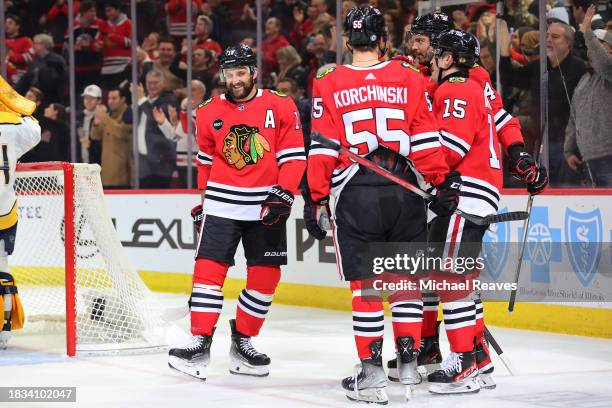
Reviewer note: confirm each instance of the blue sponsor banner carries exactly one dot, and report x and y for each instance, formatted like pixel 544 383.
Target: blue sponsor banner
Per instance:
pixel 561 238
pixel 584 234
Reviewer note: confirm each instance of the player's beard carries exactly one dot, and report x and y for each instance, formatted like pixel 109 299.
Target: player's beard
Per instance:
pixel 246 90
pixel 422 59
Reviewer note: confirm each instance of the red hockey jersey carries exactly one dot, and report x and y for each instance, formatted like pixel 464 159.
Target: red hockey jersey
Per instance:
pixel 508 127
pixel 117 45
pixel 469 138
pixel 364 107
pixel 20 54
pixel 177 16
pixel 245 149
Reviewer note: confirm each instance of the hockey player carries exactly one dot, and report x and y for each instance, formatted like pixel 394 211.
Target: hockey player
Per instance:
pixel 19 133
pixel 251 157
pixel 379 110
pixel 471 144
pixel 422 38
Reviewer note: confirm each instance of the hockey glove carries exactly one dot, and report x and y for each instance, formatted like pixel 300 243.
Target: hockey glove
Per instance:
pixel 447 195
pixel 277 206
pixel 316 215
pixel 522 165
pixel 197 215
pixel 540 182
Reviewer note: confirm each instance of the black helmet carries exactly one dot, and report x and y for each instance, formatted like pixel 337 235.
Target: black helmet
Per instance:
pixel 237 56
pixel 432 25
pixel 464 47
pixel 365 26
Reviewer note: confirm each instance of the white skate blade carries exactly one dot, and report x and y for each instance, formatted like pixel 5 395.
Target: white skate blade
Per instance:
pixel 486 381
pixel 195 369
pixel 369 395
pixel 466 386
pixel 409 392
pixel 241 367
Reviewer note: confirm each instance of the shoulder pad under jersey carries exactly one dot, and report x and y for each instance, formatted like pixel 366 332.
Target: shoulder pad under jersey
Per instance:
pixel 282 95
pixel 406 64
pixel 206 102
pixel 327 71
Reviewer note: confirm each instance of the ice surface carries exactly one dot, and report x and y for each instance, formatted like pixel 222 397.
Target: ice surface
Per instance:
pixel 311 350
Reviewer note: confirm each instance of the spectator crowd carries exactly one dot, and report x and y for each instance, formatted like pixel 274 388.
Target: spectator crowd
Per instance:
pixel 299 41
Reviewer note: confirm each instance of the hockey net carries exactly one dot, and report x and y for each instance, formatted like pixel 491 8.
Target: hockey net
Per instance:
pixel 70 267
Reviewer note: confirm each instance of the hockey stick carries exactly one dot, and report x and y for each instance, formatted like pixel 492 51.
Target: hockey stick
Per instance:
pixel 172 314
pixel 489 219
pixel 512 300
pixel 517 274
pixel 499 351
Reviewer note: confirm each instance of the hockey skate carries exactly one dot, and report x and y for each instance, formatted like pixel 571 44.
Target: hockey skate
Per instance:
pixel 485 365
pixel 407 364
pixel 368 381
pixel 429 358
pixel 457 375
pixel 193 359
pixel 244 359
pixel 4 338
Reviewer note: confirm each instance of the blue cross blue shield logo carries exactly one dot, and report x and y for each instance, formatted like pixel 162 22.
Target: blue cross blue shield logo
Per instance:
pixel 540 249
pixel 584 233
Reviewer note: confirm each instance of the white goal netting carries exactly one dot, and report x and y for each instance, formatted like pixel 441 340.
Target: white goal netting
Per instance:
pixel 114 310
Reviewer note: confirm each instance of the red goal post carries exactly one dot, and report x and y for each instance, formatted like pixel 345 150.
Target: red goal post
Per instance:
pixel 70 266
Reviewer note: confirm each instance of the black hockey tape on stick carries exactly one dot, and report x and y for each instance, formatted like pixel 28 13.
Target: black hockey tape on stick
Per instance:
pixel 489 219
pixel 494 218
pixel 173 314
pixel 499 351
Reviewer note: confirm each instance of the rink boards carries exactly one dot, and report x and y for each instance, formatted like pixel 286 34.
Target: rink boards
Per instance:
pixel 156 231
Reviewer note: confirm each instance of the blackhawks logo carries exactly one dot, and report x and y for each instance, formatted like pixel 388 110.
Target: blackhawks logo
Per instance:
pixel 244 145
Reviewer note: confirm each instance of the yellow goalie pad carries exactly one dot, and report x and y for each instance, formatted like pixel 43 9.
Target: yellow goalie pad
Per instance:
pixel 14 101
pixel 13 105
pixel 8 288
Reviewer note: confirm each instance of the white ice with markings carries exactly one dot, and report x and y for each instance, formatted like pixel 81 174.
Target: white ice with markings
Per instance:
pixel 311 350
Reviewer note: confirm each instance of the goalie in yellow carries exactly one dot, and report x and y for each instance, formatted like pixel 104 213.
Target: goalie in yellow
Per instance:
pixel 19 132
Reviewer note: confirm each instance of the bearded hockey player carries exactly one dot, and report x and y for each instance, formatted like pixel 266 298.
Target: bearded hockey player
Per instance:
pixel 422 40
pixel 251 158
pixel 19 132
pixel 380 111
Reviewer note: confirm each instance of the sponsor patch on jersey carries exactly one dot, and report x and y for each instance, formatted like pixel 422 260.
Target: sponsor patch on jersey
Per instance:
pixel 244 146
pixel 327 71
pixel 282 95
pixel 206 102
pixel 457 80
pixel 218 124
